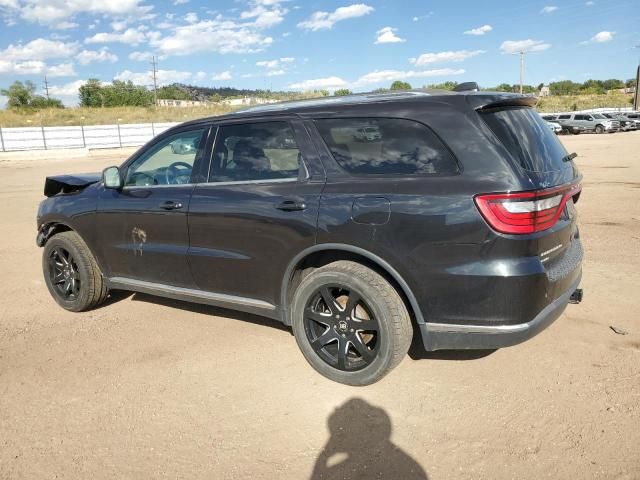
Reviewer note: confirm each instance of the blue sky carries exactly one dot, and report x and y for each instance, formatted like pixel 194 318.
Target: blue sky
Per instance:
pixel 296 45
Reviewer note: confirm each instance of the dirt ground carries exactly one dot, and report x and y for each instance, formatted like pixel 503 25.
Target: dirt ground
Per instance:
pixel 152 388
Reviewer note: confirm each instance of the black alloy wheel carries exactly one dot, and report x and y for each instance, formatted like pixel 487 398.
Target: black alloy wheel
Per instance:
pixel 64 274
pixel 341 328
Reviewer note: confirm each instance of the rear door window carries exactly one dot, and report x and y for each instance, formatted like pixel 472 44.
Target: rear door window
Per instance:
pixel 254 152
pixel 376 146
pixel 526 136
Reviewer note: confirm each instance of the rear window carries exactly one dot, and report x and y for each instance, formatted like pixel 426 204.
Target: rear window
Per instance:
pixel 374 146
pixel 527 137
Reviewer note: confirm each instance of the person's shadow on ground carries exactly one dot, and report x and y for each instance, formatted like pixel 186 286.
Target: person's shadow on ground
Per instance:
pixel 360 447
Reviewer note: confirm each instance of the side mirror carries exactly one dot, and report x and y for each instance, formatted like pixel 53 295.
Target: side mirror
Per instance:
pixel 111 178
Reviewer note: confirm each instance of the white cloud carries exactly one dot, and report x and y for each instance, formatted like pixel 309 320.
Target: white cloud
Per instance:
pixel 590 3
pixel 49 12
pixel 442 57
pixel 515 46
pixel 163 77
pixel 130 36
pixel 191 17
pixel 68 93
pixel 119 26
pixel 319 83
pixel 86 57
pixel 141 56
pixel 380 76
pixel 39 49
pixel 36 67
pixel 201 76
pixel 61 70
pixel 602 37
pixel 549 9
pixel 388 35
pixel 226 75
pixel 326 20
pixel 479 31
pixel 180 2
pixel 221 36
pixel 64 25
pixel 265 13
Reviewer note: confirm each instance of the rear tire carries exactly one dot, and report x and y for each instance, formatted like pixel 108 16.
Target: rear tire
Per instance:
pixel 71 273
pixel 350 323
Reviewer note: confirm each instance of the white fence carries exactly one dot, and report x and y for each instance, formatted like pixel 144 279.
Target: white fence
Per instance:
pixel 95 136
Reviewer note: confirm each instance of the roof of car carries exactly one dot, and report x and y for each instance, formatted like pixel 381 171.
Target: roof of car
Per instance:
pixel 342 102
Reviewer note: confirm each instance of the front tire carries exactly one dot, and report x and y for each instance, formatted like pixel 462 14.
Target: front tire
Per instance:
pixel 71 273
pixel 350 323
pixel 599 129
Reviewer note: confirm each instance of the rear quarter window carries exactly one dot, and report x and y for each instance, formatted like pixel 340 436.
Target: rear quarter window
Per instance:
pixel 391 146
pixel 526 136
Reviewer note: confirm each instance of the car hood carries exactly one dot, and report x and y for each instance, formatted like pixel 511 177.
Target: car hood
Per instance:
pixel 69 183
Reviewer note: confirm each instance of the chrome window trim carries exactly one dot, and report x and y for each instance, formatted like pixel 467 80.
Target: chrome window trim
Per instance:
pixel 250 182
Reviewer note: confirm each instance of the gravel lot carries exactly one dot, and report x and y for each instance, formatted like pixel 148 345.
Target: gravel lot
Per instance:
pixel 151 388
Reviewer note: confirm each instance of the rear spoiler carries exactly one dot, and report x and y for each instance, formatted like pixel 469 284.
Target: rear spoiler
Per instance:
pixel 485 102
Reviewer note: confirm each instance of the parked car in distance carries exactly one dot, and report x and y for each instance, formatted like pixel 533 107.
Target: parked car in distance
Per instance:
pixel 455 220
pixel 568 126
pixel 555 127
pixel 588 122
pixel 626 124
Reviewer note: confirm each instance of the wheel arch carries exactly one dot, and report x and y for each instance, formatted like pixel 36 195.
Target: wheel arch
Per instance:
pixel 49 229
pixel 329 252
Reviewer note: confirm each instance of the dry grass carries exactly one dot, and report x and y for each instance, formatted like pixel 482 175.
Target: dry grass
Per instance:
pixel 103 116
pixel 569 103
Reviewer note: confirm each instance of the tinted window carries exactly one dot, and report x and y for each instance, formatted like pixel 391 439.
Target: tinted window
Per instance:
pixel 170 161
pixel 255 151
pixel 527 137
pixel 386 146
pixel 564 117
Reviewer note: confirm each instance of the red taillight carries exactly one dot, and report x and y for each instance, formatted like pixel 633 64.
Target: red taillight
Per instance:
pixel 525 212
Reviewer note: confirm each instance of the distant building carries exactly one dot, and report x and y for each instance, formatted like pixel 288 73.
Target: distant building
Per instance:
pixel 622 90
pixel 162 102
pixel 246 101
pixel 545 91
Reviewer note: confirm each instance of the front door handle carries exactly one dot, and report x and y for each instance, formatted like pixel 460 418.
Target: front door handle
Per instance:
pixel 170 205
pixel 291 205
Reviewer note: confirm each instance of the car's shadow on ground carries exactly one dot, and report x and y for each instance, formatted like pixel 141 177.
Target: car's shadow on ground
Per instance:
pixel 416 351
pixel 117 296
pixel 360 446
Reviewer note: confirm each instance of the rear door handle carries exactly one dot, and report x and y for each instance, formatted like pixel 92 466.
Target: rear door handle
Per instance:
pixel 291 205
pixel 170 205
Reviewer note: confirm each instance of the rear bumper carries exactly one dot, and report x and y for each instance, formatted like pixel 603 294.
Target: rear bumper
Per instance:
pixel 441 336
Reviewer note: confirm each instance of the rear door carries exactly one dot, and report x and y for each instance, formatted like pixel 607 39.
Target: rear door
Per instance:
pixel 258 209
pixel 144 225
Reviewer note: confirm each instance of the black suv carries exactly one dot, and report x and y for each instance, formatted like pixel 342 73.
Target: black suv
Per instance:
pixel 355 220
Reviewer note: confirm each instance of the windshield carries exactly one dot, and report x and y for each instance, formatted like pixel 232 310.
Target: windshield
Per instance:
pixel 597 115
pixel 528 138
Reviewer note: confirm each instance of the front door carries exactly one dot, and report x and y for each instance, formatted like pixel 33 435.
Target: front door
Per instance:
pixel 145 223
pixel 257 211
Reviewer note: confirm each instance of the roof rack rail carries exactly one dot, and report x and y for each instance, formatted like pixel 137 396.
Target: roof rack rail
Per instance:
pixel 467 87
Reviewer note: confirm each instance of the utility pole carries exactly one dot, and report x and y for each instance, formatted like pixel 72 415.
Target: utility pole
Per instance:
pixel 636 95
pixel 46 87
pixel 154 71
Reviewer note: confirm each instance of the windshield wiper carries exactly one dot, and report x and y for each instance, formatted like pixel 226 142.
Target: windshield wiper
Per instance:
pixel 568 158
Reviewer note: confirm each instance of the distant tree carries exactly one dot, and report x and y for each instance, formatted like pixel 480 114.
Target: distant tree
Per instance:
pixel 448 85
pixel 42 102
pixel 19 94
pixel 539 87
pixel 342 91
pixel 119 93
pixel 173 92
pixel 630 83
pixel 504 87
pixel 564 87
pixel 593 87
pixel 612 84
pixel 380 90
pixel 91 94
pixel 323 93
pixel 400 85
